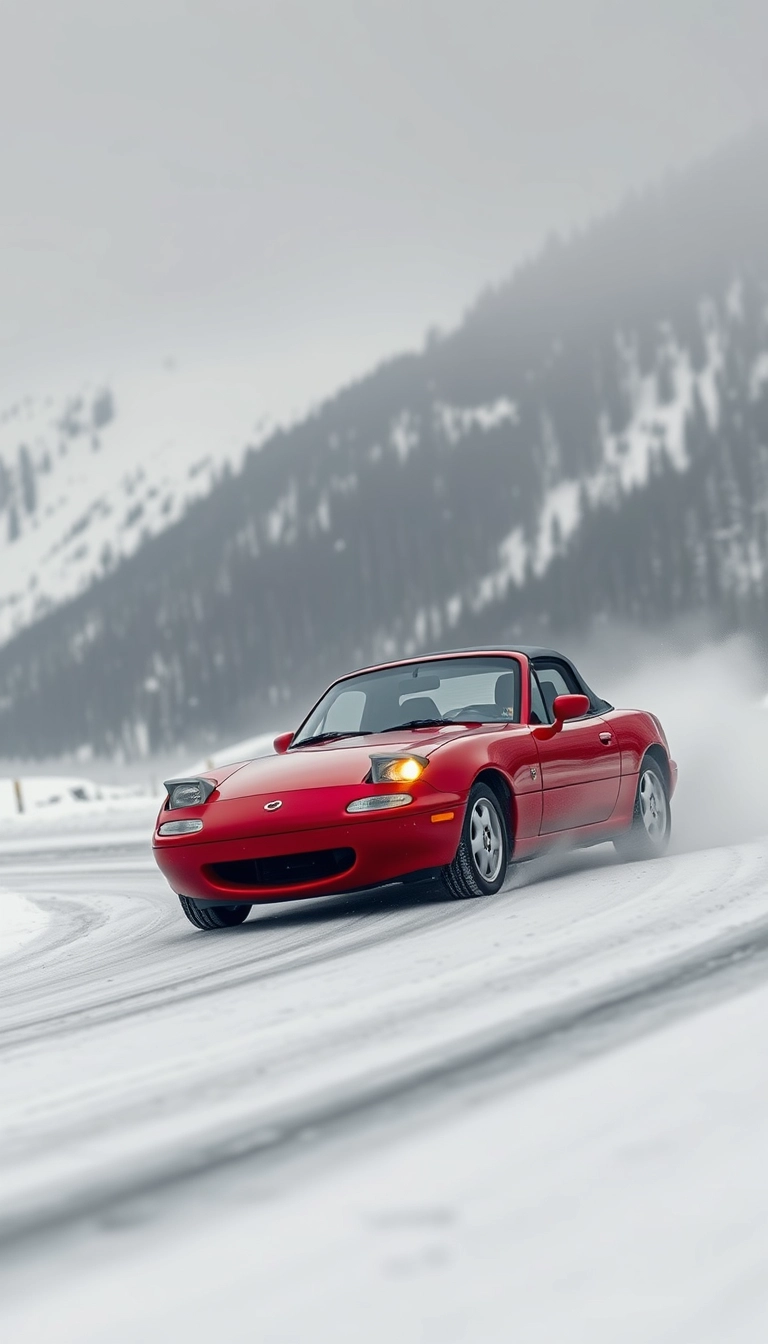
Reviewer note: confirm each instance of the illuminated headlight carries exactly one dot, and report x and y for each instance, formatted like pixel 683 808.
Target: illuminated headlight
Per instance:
pixel 189 792
pixel 179 827
pixel 379 802
pixel 396 769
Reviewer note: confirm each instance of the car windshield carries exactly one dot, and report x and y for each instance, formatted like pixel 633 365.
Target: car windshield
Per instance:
pixel 445 690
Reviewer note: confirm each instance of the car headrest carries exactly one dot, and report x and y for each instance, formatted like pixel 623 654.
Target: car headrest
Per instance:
pixel 550 693
pixel 420 707
pixel 505 694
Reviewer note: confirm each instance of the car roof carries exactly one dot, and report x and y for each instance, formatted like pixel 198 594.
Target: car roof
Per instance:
pixel 528 651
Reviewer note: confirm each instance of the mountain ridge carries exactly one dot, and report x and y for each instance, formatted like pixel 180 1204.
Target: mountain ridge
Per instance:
pixel 87 476
pixel 591 441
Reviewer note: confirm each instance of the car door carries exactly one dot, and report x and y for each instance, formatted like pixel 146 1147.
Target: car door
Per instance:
pixel 581 764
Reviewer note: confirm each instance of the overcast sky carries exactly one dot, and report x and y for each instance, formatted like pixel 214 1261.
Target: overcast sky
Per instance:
pixel 301 187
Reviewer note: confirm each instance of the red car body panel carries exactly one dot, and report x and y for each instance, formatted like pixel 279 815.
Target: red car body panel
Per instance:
pixel 576 785
pixel 385 848
pixel 580 775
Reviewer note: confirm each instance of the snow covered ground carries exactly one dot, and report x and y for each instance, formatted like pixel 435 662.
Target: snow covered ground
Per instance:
pixel 54 795
pixel 22 921
pixel 539 1117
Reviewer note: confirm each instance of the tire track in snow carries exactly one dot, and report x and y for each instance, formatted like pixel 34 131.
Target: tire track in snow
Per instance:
pixel 323 944
pixel 583 1026
pixel 123 961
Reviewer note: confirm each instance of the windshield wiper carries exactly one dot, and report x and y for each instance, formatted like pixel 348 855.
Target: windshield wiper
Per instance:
pixel 331 737
pixel 421 723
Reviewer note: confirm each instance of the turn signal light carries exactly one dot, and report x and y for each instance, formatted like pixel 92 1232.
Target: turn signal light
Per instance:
pixel 179 827
pixel 379 802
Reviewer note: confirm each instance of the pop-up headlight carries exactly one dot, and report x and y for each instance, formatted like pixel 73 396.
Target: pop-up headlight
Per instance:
pixel 188 792
pixel 397 769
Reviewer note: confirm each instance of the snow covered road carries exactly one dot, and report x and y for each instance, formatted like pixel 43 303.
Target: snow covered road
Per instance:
pixel 173 1100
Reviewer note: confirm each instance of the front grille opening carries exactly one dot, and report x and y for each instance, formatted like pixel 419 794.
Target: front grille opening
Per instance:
pixel 285 870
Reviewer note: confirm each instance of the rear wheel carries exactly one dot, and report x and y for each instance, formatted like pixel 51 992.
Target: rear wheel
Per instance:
pixel 214 917
pixel 648 836
pixel 480 865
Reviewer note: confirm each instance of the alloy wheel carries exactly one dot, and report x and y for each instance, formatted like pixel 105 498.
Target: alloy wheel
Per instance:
pixel 653 806
pixel 485 840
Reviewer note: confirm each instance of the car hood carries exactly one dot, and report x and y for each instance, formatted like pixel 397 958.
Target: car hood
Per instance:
pixel 329 763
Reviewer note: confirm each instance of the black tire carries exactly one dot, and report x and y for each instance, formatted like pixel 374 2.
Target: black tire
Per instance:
pixel 464 878
pixel 214 917
pixel 648 836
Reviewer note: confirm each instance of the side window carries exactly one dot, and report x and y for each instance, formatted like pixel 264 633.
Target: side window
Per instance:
pixel 554 679
pixel 538 708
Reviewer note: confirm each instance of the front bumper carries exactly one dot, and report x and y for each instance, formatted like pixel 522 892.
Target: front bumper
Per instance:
pixel 386 848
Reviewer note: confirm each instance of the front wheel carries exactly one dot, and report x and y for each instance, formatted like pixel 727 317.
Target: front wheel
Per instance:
pixel 215 916
pixel 480 865
pixel 648 836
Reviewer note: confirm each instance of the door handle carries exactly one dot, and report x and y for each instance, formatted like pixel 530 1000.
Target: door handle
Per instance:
pixel 606 739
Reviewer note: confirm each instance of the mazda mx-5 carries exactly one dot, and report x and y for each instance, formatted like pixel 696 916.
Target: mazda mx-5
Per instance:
pixel 445 768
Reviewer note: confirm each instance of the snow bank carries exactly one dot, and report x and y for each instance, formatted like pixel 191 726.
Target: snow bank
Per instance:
pixel 63 793
pixel 246 750
pixel 21 921
pixel 64 808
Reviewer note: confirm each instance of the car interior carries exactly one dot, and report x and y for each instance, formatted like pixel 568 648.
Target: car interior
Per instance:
pixel 419 707
pixel 505 706
pixel 550 693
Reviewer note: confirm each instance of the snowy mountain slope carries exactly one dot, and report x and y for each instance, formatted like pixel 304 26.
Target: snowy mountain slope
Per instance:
pixel 590 443
pixel 657 418
pixel 86 478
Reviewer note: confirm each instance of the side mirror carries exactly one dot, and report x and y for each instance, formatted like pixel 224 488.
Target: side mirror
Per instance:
pixel 564 707
pixel 283 741
pixel 569 707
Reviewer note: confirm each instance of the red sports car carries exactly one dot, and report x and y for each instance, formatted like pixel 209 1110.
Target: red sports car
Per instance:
pixel 441 767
